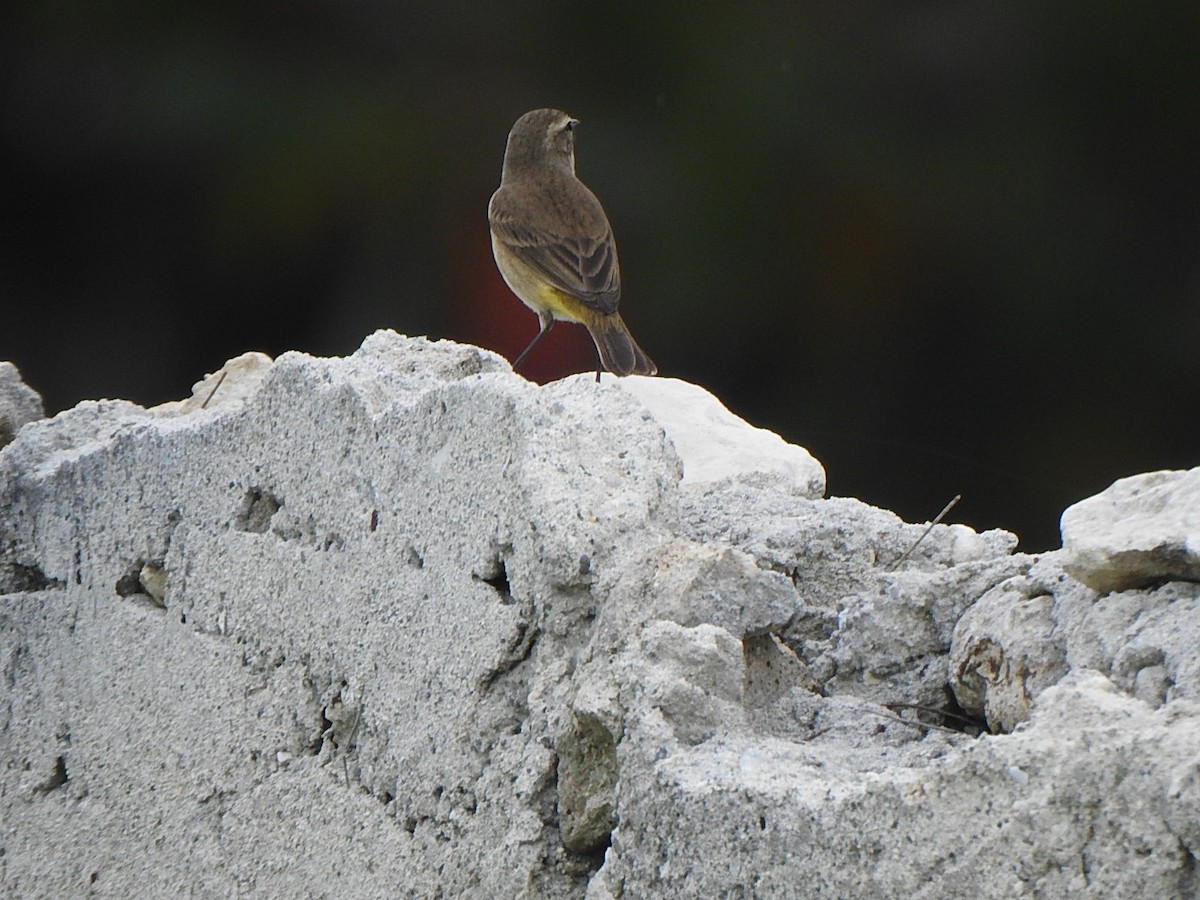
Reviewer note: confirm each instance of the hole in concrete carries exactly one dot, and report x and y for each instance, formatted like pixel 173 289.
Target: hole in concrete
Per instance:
pixel 324 731
pixel 130 583
pixel 21 577
pixel 957 718
pixel 57 778
pixel 258 506
pixel 949 715
pixel 496 575
pixel 593 859
pixel 146 581
pixel 1189 858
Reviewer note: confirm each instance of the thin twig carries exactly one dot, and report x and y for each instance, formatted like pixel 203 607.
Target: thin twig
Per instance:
pixel 220 378
pixel 910 723
pixel 944 713
pixel 938 518
pixel 816 734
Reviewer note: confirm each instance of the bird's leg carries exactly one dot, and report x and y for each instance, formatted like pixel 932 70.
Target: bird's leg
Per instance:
pixel 599 367
pixel 547 324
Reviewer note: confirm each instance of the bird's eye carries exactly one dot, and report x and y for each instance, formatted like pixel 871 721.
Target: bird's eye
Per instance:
pixel 570 124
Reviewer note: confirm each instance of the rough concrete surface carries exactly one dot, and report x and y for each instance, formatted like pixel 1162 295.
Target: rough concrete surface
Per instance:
pixel 1141 531
pixel 406 625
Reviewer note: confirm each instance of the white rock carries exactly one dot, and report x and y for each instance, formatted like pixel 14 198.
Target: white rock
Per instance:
pixel 715 444
pixel 231 384
pixel 1142 530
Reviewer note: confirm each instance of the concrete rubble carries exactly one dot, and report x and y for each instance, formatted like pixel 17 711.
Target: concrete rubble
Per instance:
pixel 404 624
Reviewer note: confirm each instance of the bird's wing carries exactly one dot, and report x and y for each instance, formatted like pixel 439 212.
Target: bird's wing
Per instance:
pixel 582 265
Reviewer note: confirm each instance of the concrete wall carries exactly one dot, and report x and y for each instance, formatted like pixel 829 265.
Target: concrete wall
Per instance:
pixel 406 625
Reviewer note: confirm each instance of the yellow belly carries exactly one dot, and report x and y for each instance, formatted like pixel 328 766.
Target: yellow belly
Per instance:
pixel 528 284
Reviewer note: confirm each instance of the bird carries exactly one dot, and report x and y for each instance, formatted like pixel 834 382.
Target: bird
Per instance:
pixel 553 243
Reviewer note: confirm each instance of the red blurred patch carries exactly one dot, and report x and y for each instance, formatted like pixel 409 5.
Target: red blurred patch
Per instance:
pixel 489 314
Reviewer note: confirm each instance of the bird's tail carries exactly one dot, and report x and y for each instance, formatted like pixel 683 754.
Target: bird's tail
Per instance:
pixel 619 352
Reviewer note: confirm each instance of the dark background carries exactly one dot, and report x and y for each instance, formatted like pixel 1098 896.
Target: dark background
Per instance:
pixel 949 247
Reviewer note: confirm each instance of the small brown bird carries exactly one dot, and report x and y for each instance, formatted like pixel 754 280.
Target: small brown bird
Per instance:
pixel 553 243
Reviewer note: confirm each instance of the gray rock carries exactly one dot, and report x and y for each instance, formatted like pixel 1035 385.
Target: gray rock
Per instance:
pixel 19 403
pixel 1007 649
pixel 1028 632
pixel 1097 788
pixel 1121 598
pixel 1142 530
pixel 404 624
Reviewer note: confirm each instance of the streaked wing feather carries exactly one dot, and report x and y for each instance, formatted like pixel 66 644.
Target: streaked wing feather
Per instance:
pixel 583 267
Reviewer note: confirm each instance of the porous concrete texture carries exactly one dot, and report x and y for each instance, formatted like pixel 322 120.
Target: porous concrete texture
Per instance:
pixel 1029 631
pixel 1141 531
pixel 406 625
